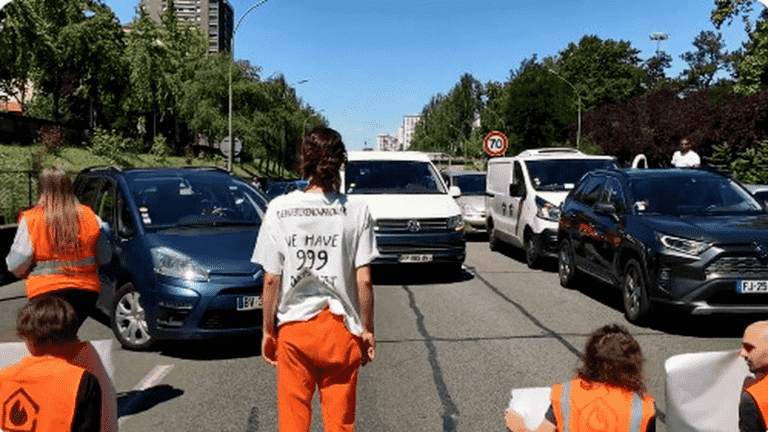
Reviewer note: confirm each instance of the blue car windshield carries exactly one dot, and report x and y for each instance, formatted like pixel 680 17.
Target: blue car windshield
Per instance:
pixel 691 196
pixel 392 177
pixel 562 174
pixel 170 202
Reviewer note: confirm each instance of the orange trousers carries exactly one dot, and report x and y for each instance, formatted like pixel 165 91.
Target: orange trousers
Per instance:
pixel 322 353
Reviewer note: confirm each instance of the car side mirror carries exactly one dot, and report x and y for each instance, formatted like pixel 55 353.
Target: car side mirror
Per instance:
pixel 454 191
pixel 606 209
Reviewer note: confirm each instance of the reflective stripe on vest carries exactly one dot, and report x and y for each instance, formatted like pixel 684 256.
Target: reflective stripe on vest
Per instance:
pixel 635 413
pixel 56 266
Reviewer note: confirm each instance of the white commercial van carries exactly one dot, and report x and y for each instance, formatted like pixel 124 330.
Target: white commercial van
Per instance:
pixel 524 192
pixel 416 217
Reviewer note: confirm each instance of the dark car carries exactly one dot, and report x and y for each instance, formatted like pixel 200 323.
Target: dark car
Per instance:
pixel 277 188
pixel 182 242
pixel 687 238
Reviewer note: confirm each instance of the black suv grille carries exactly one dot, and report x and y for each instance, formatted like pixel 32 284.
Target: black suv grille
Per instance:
pixel 739 266
pixel 401 225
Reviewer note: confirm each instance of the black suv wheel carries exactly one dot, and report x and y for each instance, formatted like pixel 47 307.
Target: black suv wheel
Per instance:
pixel 566 268
pixel 633 289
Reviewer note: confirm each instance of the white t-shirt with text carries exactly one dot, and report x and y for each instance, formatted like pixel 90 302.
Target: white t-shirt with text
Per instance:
pixel 315 242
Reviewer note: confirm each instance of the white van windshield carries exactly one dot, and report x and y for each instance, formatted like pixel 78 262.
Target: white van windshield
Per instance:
pixel 392 177
pixel 562 174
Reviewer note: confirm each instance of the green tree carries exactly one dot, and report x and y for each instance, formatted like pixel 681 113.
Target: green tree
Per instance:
pixel 17 59
pixel 161 59
pixel 602 71
pixel 70 50
pixel 655 67
pixel 538 107
pixel 447 121
pixel 706 61
pixel 752 65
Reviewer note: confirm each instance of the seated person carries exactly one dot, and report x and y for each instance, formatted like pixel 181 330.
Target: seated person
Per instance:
pixel 44 391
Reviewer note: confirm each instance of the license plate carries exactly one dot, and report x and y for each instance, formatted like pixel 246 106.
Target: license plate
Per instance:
pixel 248 303
pixel 751 286
pixel 415 258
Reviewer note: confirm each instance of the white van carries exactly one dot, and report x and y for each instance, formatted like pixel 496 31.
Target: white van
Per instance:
pixel 524 192
pixel 416 217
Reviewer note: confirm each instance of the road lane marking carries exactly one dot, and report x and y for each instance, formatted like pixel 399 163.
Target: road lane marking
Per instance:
pixel 153 377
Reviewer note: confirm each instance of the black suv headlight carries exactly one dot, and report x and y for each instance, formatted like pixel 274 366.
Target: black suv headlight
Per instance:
pixel 547 210
pixel 679 245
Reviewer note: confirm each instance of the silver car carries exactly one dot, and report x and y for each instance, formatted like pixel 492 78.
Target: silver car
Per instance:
pixel 472 199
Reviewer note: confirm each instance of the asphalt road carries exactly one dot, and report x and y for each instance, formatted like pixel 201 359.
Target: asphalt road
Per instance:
pixel 448 353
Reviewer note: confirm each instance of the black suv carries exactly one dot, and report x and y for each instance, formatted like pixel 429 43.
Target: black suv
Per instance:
pixel 687 238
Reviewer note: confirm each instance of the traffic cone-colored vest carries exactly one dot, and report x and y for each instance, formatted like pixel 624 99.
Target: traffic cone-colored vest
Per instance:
pixel 39 394
pixel 53 271
pixel 585 407
pixel 759 392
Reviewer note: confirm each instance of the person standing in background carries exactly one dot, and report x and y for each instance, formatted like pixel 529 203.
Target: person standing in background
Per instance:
pixel 686 157
pixel 59 246
pixel 316 246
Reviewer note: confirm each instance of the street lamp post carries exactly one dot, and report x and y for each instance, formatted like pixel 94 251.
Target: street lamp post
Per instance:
pixel 578 127
pixel 231 144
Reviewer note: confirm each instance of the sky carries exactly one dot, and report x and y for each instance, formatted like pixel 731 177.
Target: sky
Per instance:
pixel 369 63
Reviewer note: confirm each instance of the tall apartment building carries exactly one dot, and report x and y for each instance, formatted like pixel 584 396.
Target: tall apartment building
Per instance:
pixel 388 142
pixel 409 126
pixel 215 17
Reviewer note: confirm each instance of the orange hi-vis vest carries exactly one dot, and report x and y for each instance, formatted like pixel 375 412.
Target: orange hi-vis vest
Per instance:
pixel 759 392
pixel 580 406
pixel 54 271
pixel 39 395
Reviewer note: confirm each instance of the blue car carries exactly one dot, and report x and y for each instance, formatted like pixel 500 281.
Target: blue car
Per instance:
pixel 182 242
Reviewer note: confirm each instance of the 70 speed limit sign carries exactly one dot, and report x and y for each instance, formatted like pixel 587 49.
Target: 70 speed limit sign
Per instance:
pixel 495 143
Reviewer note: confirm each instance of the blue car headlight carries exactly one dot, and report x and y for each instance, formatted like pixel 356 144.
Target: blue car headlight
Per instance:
pixel 679 245
pixel 547 210
pixel 171 263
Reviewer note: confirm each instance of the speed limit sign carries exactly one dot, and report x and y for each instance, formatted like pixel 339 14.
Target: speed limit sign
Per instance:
pixel 495 143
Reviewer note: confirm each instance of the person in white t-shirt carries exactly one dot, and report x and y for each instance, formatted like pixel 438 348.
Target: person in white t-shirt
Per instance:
pixel 316 247
pixel 686 157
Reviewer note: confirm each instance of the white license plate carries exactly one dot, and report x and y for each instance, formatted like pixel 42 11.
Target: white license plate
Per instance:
pixel 415 258
pixel 248 303
pixel 751 286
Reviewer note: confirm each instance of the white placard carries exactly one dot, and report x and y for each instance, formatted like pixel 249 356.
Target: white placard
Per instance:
pixel 703 391
pixel 531 403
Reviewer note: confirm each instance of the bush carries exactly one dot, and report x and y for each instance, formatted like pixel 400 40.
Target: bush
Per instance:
pixel 160 150
pixel 751 166
pixel 105 144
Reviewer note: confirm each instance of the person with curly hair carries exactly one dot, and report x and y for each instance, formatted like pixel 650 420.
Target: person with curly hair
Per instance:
pixel 59 246
pixel 608 392
pixel 45 391
pixel 316 246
